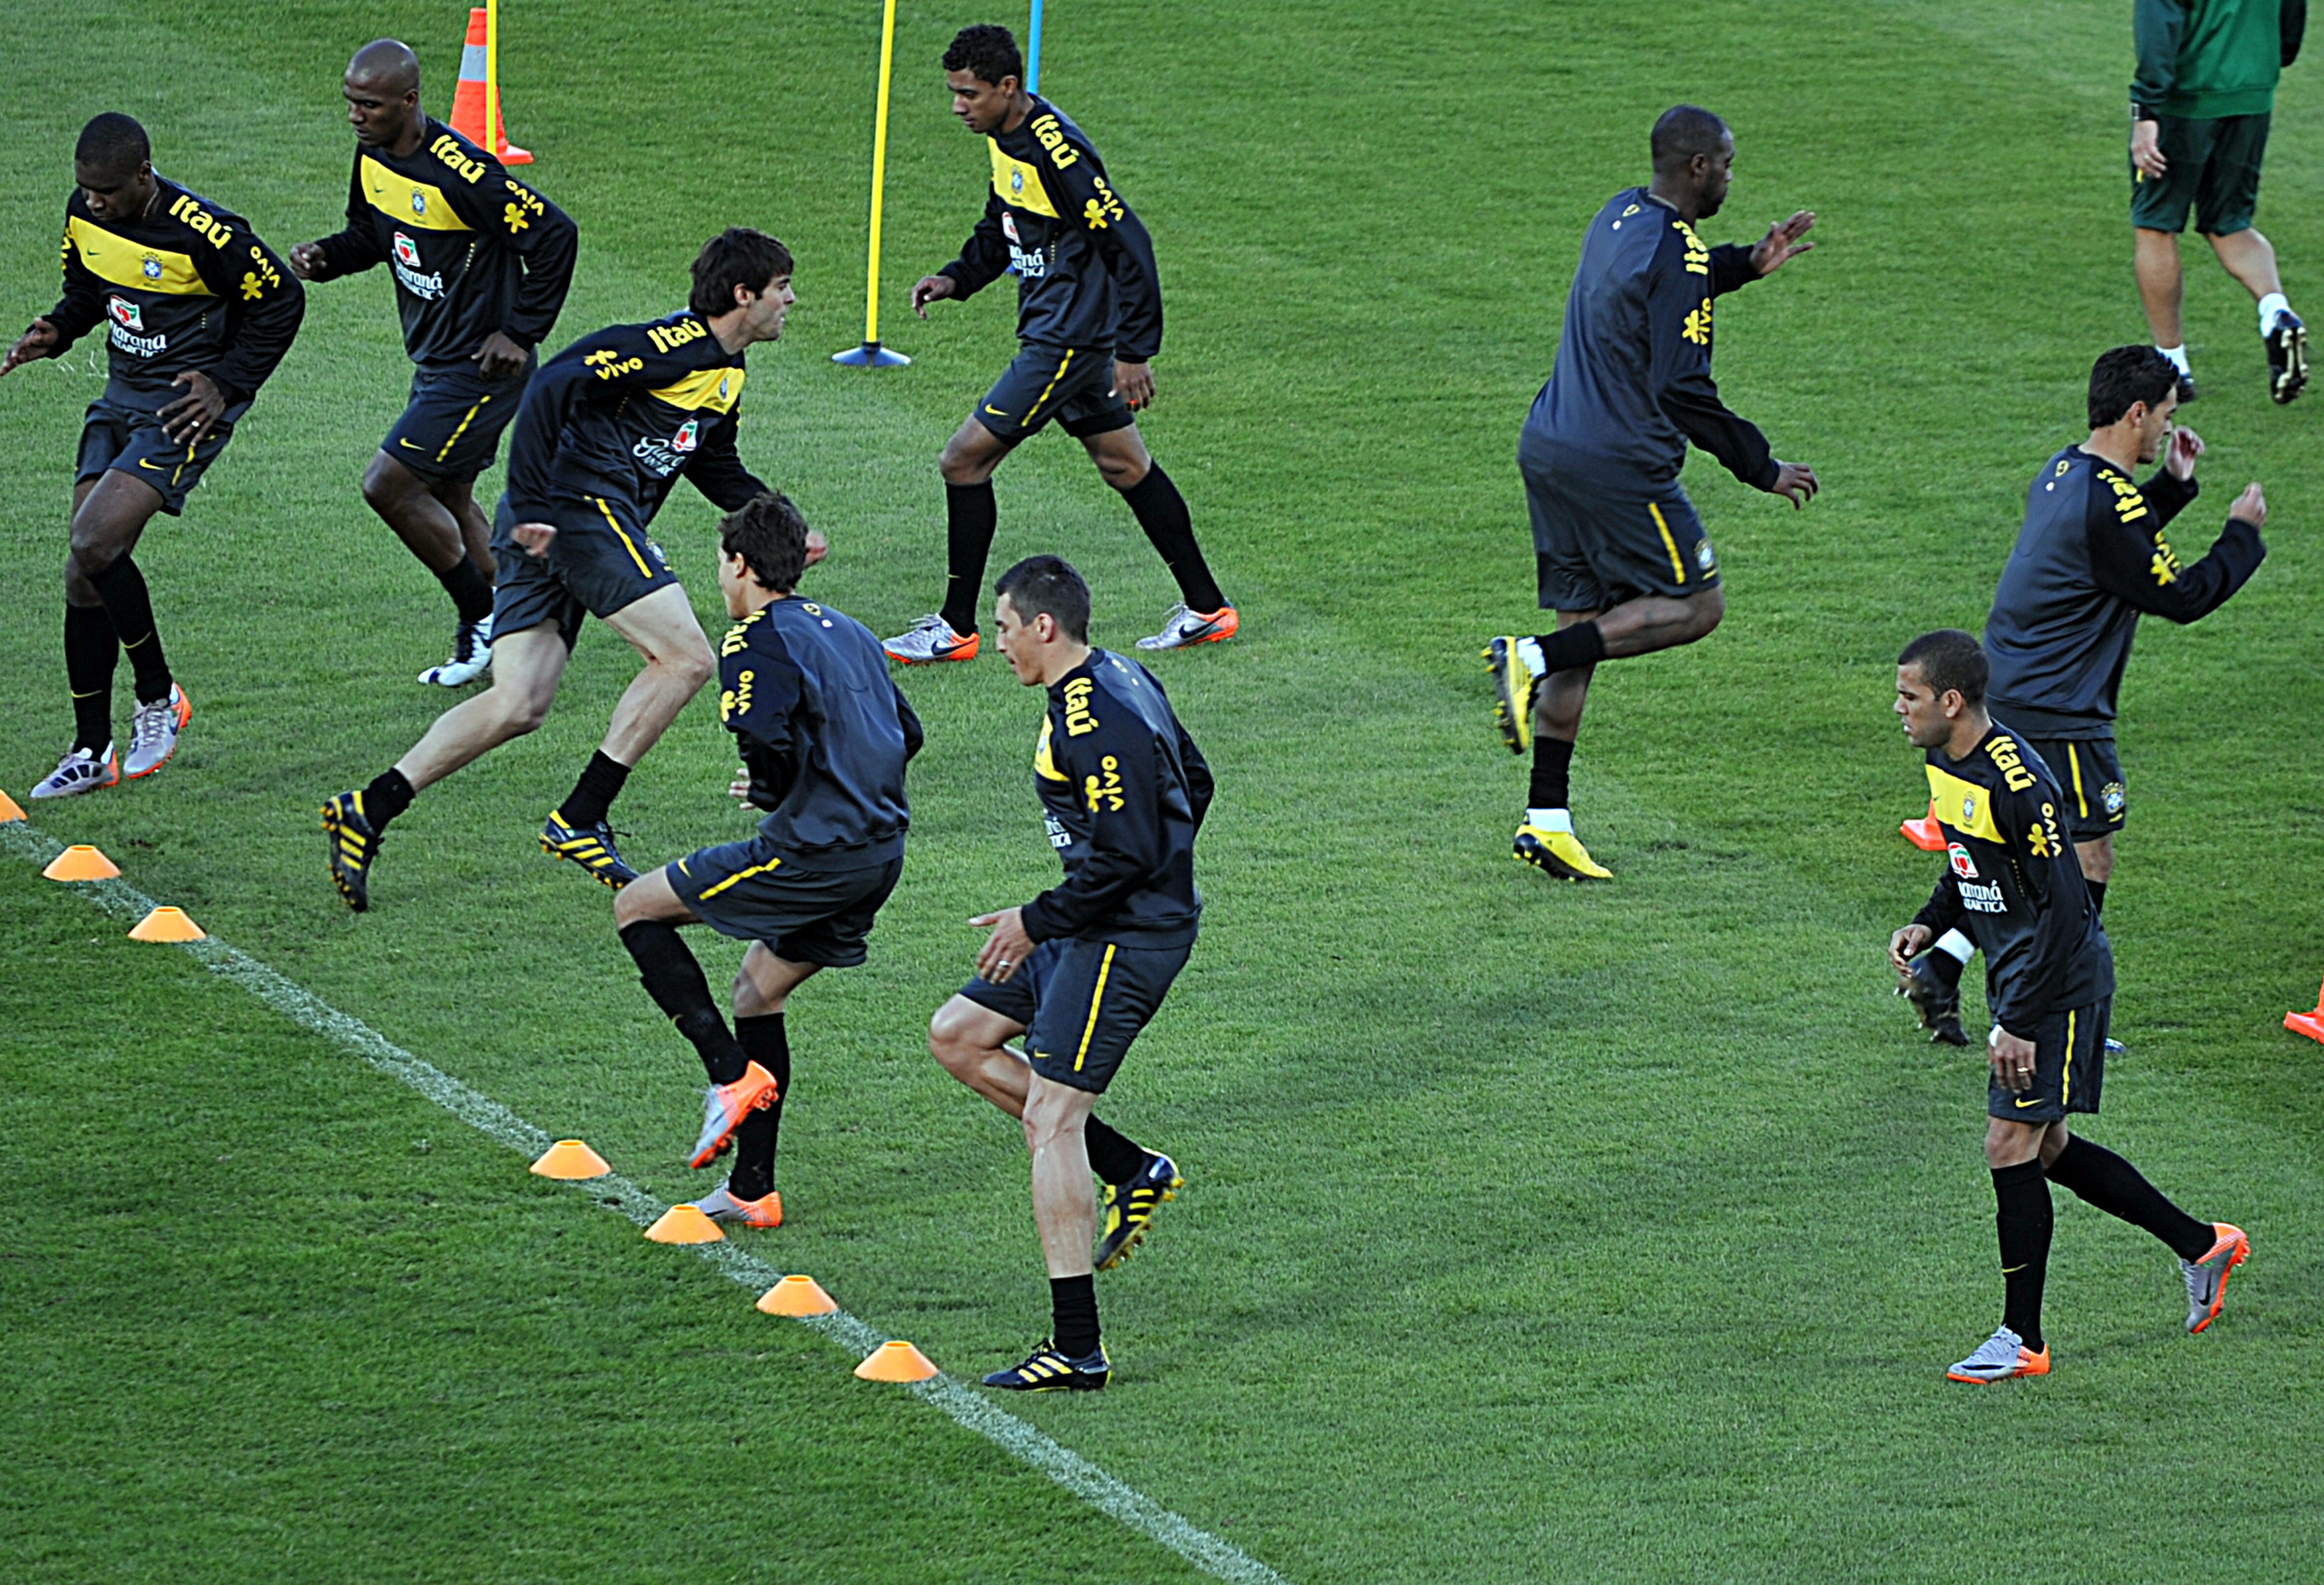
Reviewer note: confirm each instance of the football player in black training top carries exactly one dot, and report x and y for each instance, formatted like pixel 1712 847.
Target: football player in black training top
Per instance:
pixel 824 736
pixel 610 424
pixel 2011 878
pixel 481 263
pixel 1089 320
pixel 1082 968
pixel 198 311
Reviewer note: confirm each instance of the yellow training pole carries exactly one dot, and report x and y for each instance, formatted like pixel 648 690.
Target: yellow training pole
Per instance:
pixel 871 354
pixel 493 139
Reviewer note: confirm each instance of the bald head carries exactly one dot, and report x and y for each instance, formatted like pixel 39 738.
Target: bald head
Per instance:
pixel 383 94
pixel 387 66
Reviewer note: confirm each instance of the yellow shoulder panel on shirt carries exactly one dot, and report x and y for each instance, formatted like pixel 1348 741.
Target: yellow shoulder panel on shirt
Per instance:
pixel 408 202
pixel 1045 763
pixel 115 258
pixel 1019 184
pixel 709 389
pixel 1964 806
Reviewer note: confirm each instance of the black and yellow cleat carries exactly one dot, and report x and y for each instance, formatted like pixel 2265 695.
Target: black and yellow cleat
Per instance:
pixel 1560 853
pixel 354 845
pixel 589 846
pixel 1047 1370
pixel 2287 357
pixel 1513 685
pixel 1130 1208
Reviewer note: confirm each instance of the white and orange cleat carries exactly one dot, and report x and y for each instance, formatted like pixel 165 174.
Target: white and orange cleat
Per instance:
pixel 2207 1279
pixel 1184 627
pixel 724 1108
pixel 721 1205
pixel 153 734
pixel 930 639
pixel 2003 1356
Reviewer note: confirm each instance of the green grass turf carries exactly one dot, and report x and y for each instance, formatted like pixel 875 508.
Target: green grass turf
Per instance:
pixel 1533 1231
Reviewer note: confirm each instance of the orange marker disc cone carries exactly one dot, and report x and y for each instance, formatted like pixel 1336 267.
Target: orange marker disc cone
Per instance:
pixel 166 924
pixel 10 809
pixel 81 862
pixel 896 1361
pixel 2309 1024
pixel 685 1224
pixel 797 1296
pixel 571 1158
pixel 1925 833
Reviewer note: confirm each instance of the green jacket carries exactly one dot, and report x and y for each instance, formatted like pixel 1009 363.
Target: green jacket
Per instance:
pixel 2201 59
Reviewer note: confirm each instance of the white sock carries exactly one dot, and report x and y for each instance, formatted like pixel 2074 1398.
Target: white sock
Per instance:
pixel 1529 651
pixel 2177 355
pixel 1959 946
pixel 1550 820
pixel 2270 306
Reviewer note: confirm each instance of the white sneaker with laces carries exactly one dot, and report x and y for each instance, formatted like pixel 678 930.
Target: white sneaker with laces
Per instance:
pixel 932 639
pixel 77 772
pixel 472 652
pixel 1184 625
pixel 154 733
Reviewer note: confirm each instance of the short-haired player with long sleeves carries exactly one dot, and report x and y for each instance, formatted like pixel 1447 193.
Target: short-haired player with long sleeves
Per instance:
pixel 1089 321
pixel 609 426
pixel 198 312
pixel 824 734
pixel 2012 881
pixel 1081 969
pixel 482 263
pixel 1618 551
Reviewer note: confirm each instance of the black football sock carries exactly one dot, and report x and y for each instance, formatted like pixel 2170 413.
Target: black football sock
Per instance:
pixel 1113 1156
pixel 2106 1181
pixel 2098 896
pixel 1552 767
pixel 600 783
pixel 91 654
pixel 1072 1312
pixel 130 605
pixel 672 977
pixel 2023 1218
pixel 971 516
pixel 1162 513
pixel 764 1041
pixel 472 597
pixel 1578 645
pixel 388 796
pixel 1946 967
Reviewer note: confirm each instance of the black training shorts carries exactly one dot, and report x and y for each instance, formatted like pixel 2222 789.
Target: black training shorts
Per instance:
pixel 600 561
pixel 451 429
pixel 1601 538
pixel 2090 775
pixel 804 913
pixel 2069 1067
pixel 1081 1003
pixel 1072 384
pixel 128 440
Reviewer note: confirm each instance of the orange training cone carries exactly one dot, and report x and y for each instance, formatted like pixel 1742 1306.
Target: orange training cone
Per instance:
pixel 685 1224
pixel 571 1159
pixel 2309 1024
pixel 469 100
pixel 166 924
pixel 797 1296
pixel 10 809
pixel 1925 833
pixel 82 861
pixel 896 1361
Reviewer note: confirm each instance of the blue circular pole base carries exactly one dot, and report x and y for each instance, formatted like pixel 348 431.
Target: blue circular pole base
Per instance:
pixel 870 356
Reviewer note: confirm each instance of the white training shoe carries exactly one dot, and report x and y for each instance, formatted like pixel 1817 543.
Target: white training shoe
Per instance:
pixel 931 639
pixel 154 733
pixel 472 651
pixel 79 772
pixel 1183 626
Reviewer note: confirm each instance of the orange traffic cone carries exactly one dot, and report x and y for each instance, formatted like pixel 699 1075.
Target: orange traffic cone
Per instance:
pixel 82 861
pixel 797 1296
pixel 10 809
pixel 166 924
pixel 478 95
pixel 571 1159
pixel 896 1361
pixel 2309 1024
pixel 1925 833
pixel 685 1224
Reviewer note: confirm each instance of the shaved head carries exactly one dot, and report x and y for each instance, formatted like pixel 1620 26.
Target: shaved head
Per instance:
pixel 387 65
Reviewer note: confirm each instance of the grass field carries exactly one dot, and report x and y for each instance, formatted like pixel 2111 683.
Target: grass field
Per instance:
pixel 1533 1231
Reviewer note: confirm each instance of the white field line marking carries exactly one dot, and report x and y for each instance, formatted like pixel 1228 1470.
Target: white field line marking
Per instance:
pixel 488 1117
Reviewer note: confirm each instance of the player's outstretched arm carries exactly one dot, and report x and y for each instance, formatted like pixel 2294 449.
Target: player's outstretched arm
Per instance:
pixel 2135 563
pixel 38 341
pixel 1782 242
pixel 983 258
pixel 1796 482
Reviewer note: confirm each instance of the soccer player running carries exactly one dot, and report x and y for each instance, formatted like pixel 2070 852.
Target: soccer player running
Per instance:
pixel 2092 556
pixel 610 424
pixel 2013 881
pixel 1082 968
pixel 198 312
pixel 825 734
pixel 1089 321
pixel 1619 552
pixel 2198 116
pixel 482 263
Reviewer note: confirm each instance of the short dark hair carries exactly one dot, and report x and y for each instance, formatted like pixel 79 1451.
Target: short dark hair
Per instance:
pixel 737 256
pixel 1684 131
pixel 769 535
pixel 1048 585
pixel 989 52
pixel 2125 376
pixel 114 143
pixel 1950 661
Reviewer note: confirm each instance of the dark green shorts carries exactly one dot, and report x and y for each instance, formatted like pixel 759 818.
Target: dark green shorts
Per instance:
pixel 601 560
pixel 2214 166
pixel 2089 773
pixel 2068 1067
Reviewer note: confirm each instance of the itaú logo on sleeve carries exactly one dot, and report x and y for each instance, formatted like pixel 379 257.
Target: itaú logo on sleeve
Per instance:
pixel 408 273
pixel 665 458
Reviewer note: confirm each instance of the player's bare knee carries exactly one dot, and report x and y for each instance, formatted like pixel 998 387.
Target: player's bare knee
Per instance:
pixel 519 708
pixel 383 486
pixel 1707 610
